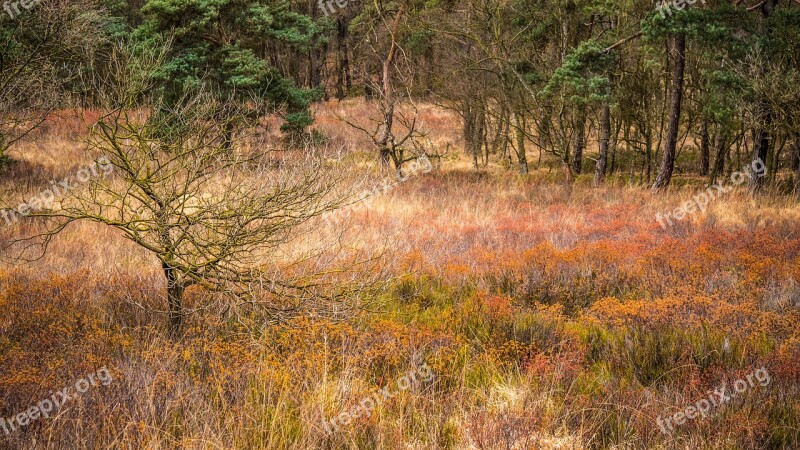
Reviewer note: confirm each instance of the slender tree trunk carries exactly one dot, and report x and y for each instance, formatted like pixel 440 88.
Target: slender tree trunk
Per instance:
pixel 314 65
pixel 761 136
pixel 605 137
pixel 519 129
pixel 343 63
pixel 388 94
pixel 648 156
pixel 314 75
pixel 474 124
pixel 386 135
pixel 731 165
pixel 796 155
pixel 480 131
pixel 668 160
pixel 775 161
pixel 430 58
pixel 502 131
pixel 3 149
pixel 796 165
pixel 612 146
pixel 705 153
pixel 720 149
pixel 467 132
pixel 761 141
pixel 485 152
pixel 506 141
pixel 580 142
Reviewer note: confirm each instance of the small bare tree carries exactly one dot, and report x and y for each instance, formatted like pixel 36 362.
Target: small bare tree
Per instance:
pixel 394 147
pixel 213 216
pixel 413 145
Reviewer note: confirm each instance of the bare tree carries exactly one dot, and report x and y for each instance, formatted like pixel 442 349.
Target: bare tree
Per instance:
pixel 214 215
pixel 395 135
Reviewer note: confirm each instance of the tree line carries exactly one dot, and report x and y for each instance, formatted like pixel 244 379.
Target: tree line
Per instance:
pixel 703 88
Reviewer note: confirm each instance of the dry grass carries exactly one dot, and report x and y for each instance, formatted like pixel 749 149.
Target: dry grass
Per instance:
pixel 552 316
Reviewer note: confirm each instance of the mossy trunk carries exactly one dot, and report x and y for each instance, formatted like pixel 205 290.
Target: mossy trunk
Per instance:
pixel 175 290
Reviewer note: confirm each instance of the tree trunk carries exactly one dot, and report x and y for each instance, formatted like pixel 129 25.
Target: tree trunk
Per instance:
pixel 796 155
pixel 430 59
pixel 519 125
pixel 343 63
pixel 705 154
pixel 580 142
pixel 566 166
pixel 473 130
pixel 480 133
pixel 649 156
pixel 2 149
pixel 775 161
pixel 761 139
pixel 501 136
pixel 506 138
pixel 720 147
pixel 605 137
pixel 796 165
pixel 314 65
pixel 466 131
pixel 668 161
pixel 388 94
pixel 761 136
pixel 612 147
pixel 174 299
